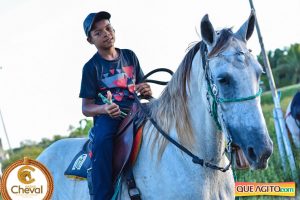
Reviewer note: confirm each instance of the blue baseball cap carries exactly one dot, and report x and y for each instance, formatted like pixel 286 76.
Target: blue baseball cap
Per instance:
pixel 92 18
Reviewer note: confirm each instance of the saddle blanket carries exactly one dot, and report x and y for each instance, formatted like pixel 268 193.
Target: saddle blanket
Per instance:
pixel 80 163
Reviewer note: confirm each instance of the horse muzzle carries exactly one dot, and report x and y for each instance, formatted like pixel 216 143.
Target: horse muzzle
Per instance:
pixel 254 156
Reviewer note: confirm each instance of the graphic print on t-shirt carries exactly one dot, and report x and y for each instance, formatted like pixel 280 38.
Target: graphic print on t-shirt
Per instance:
pixel 121 80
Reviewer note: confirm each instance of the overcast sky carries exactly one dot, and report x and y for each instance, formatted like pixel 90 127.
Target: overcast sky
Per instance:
pixel 43 49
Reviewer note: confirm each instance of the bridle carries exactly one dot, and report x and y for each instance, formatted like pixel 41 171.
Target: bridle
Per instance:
pixel 212 90
pixel 212 96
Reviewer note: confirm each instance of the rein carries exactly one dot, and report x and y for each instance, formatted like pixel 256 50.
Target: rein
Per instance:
pixel 212 91
pixel 195 158
pixel 145 78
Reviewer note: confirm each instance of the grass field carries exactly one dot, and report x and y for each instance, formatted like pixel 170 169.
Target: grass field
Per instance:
pixel 274 173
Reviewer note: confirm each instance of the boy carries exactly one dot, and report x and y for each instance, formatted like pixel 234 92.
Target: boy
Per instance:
pixel 112 72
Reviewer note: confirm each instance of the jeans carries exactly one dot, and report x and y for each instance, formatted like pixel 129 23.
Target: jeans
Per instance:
pixel 100 175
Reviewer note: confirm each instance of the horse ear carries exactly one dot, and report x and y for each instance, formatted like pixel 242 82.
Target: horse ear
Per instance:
pixel 207 31
pixel 246 30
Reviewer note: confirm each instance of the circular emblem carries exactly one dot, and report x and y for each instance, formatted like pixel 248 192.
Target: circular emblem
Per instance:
pixel 26 179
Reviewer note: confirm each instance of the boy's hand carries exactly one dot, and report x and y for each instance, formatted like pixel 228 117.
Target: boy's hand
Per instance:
pixel 112 109
pixel 144 89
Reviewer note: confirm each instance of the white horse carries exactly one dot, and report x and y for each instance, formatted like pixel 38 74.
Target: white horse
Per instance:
pixel 292 123
pixel 162 171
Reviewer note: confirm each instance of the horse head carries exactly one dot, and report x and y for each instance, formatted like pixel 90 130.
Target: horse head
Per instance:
pixel 233 76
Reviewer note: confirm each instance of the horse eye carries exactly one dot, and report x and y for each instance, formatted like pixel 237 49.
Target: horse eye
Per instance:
pixel 240 53
pixel 223 80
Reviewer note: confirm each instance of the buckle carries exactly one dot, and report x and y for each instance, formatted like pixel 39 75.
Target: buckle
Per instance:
pixel 214 89
pixel 134 192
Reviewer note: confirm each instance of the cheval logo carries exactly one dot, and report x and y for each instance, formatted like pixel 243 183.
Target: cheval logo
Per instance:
pixel 26 179
pixel 24 175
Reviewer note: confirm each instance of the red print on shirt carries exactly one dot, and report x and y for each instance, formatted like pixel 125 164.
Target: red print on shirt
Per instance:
pixel 128 70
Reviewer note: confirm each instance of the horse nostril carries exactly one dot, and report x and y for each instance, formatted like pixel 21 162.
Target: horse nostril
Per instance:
pixel 251 153
pixel 266 154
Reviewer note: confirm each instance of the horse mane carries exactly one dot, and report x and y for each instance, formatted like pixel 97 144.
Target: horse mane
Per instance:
pixel 171 106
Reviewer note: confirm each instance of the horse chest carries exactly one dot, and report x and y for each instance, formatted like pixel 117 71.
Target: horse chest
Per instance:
pixel 176 177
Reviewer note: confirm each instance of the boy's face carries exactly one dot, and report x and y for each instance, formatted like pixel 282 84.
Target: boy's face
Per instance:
pixel 102 35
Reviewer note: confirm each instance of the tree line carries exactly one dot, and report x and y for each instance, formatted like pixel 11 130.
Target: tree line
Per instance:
pixel 33 149
pixel 285 65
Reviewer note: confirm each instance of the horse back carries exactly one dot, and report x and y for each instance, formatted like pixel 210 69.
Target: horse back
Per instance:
pixel 62 150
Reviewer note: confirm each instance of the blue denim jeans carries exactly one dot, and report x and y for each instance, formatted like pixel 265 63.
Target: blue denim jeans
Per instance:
pixel 100 175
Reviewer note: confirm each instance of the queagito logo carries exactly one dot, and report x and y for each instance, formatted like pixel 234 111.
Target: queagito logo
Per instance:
pixel 287 189
pixel 26 179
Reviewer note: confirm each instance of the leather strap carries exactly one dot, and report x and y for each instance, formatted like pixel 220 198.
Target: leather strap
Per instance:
pixel 133 192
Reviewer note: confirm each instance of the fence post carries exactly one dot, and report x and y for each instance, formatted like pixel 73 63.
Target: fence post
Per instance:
pixel 276 101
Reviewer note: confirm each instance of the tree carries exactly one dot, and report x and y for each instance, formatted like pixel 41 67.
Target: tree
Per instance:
pixel 29 151
pixel 293 57
pixel 83 129
pixel 32 149
pixel 285 66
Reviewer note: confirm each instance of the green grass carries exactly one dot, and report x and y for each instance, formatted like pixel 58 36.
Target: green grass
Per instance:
pixel 274 173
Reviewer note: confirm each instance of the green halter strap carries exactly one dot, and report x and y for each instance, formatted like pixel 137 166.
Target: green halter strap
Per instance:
pixel 216 100
pixel 213 90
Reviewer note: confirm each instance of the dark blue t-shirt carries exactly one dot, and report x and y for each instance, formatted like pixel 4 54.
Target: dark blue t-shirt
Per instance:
pixel 118 76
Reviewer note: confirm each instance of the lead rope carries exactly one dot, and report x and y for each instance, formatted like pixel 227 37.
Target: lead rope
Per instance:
pixel 195 158
pixel 229 151
pixel 214 111
pixel 117 189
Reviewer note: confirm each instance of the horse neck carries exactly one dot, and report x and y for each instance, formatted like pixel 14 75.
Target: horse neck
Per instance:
pixel 209 141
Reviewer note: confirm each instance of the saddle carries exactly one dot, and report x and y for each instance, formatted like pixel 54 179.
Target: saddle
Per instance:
pixel 126 147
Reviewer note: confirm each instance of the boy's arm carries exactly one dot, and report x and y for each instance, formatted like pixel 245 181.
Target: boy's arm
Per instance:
pixel 90 109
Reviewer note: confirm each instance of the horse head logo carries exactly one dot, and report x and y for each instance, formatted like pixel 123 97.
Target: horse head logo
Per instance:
pixel 24 175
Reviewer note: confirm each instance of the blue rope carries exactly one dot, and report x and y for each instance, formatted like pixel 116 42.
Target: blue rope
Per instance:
pixel 117 189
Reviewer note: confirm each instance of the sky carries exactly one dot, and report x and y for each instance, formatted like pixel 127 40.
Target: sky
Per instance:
pixel 43 49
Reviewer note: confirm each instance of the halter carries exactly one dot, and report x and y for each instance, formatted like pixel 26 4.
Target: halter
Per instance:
pixel 213 93
pixel 212 90
pixel 216 101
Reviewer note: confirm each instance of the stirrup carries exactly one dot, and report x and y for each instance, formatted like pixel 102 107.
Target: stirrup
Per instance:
pixel 134 193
